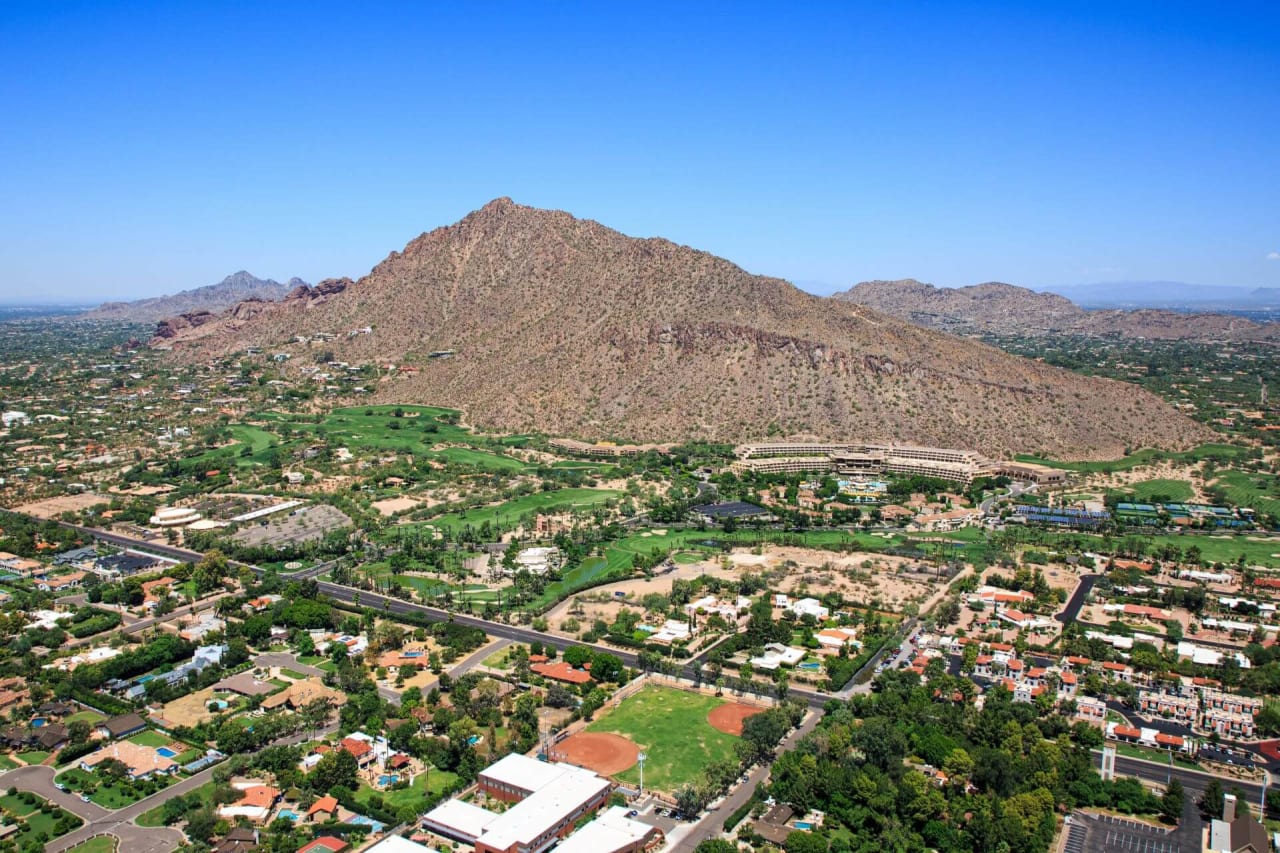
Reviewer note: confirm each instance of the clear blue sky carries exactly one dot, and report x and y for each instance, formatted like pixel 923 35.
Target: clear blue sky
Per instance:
pixel 152 147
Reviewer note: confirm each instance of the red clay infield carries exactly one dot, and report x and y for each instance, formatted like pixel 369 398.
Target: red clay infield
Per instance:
pixel 728 717
pixel 602 752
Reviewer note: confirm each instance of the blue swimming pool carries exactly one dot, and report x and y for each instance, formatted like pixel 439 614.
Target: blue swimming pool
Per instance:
pixel 361 820
pixel 811 665
pixel 388 779
pixel 166 752
pixel 801 824
pixel 413 654
pixel 288 814
pixel 473 740
pixel 38 722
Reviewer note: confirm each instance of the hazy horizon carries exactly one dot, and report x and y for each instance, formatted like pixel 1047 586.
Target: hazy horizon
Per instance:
pixel 150 150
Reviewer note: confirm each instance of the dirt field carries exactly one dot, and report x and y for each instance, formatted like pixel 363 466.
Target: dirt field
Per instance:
pixel 53 507
pixel 190 710
pixel 728 718
pixel 391 506
pixel 604 753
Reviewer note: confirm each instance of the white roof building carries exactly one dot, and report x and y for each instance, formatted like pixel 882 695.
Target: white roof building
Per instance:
pixel 776 655
pixel 809 607
pixel 610 832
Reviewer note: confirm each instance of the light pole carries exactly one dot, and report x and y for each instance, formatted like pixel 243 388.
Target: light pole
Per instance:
pixel 640 758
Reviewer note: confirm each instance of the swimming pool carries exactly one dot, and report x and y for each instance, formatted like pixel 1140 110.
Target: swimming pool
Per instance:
pixel 810 665
pixel 802 824
pixel 361 820
pixel 414 654
pixel 287 814
pixel 473 740
pixel 388 779
pixel 38 722
pixel 166 752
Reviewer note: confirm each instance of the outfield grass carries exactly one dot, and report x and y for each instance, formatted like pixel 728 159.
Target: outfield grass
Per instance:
pixel 509 514
pixel 1145 491
pixel 671 727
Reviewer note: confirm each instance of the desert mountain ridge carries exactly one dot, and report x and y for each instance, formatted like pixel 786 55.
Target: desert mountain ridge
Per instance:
pixel 564 326
pixel 1006 309
pixel 228 293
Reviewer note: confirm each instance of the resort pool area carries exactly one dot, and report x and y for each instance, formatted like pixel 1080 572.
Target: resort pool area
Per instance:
pixel 288 814
pixel 388 779
pixel 811 665
pixel 166 752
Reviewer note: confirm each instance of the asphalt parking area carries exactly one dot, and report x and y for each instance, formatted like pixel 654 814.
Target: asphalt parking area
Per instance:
pixel 1111 834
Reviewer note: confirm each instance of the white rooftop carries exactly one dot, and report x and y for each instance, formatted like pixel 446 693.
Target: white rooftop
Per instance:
pixel 523 772
pixel 608 833
pixel 399 844
pixel 545 808
pixel 463 818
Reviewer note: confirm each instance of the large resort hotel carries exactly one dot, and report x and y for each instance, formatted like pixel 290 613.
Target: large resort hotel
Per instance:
pixel 957 466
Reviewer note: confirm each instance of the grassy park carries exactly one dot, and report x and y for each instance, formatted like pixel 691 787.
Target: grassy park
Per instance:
pixel 671 727
pixel 1148 491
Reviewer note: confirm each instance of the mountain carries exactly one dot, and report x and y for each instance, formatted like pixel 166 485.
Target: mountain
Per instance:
pixel 1005 309
pixel 1168 294
pixel 564 326
pixel 227 293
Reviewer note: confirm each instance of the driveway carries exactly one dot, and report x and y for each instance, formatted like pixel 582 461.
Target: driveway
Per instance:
pixel 285 660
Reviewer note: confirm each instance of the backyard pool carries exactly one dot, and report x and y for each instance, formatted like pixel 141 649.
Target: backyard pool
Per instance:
pixel 166 752
pixel 803 824
pixel 413 654
pixel 361 820
pixel 812 665
pixel 388 779
pixel 473 740
pixel 288 814
pixel 38 722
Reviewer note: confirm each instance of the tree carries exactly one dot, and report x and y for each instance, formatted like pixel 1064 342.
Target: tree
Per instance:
pixel 209 572
pixel 1172 801
pixel 802 841
pixel 716 845
pixel 1211 802
pixel 691 800
pixel 335 769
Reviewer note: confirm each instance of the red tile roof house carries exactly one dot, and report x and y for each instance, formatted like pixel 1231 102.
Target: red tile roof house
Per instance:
pixel 324 844
pixel 561 671
pixel 323 809
pixel 362 751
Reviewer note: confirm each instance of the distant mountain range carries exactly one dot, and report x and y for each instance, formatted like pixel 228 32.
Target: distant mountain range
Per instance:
pixel 564 326
pixel 1168 294
pixel 1005 309
pixel 227 293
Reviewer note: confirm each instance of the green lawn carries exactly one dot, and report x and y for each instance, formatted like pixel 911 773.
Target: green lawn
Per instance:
pixel 294 674
pixel 34 757
pixel 499 659
pixel 508 514
pixel 1146 491
pixel 89 717
pixel 423 785
pixel 671 727
pixel 1259 492
pixel 153 818
pixel 151 738
pixel 1214 547
pixel 101 844
pixel 14 805
pixel 7 763
pixel 113 795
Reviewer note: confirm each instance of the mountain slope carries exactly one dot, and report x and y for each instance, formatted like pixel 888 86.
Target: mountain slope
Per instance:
pixel 568 327
pixel 1004 309
pixel 227 293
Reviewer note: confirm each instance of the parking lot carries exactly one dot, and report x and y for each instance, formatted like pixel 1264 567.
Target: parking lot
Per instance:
pixel 1088 833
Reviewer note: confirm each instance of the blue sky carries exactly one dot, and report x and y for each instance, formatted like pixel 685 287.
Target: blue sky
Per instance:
pixel 149 148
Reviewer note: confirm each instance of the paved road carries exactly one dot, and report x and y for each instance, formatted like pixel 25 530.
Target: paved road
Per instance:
pixel 475 658
pixel 1072 610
